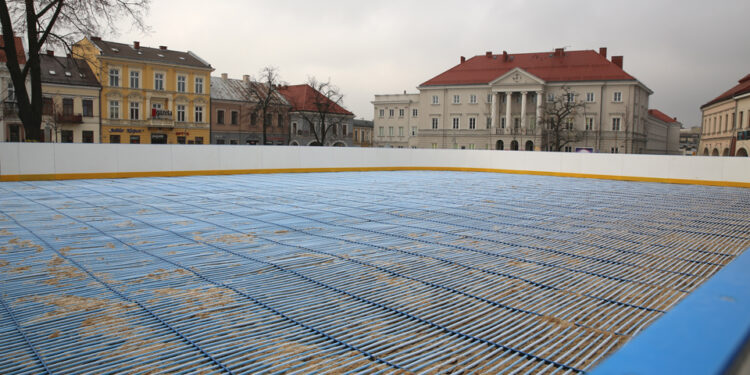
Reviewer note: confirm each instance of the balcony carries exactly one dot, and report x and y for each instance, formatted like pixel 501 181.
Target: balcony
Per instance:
pixel 160 123
pixel 69 118
pixel 10 108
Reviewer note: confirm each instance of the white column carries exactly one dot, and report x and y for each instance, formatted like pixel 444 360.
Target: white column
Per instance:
pixel 523 109
pixel 538 107
pixel 493 114
pixel 508 97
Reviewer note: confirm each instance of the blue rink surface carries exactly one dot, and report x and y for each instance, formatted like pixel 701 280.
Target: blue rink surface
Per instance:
pixel 364 272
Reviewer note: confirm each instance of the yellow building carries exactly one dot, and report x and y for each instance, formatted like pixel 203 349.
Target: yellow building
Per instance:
pixel 149 95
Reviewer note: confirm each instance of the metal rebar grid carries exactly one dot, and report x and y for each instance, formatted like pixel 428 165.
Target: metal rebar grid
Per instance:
pixel 378 272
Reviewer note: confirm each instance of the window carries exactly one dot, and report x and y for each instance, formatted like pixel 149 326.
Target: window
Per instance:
pixel 198 90
pixel 158 138
pixel 571 97
pixel 380 131
pixel 180 113
pixel 390 113
pixel 114 138
pixel 434 123
pixel 135 110
pixel 11 92
pixel 516 122
pixel 67 106
pixel 413 130
pixel 344 130
pixel 502 123
pixel 589 123
pixel 456 99
pixel 198 140
pixel 220 116
pixel 456 123
pixel 473 99
pixel 615 123
pixel 489 122
pixel 356 135
pixel 181 139
pixel 471 146
pixel 590 97
pixel 181 83
pixel 135 79
pixel 382 112
pixel 550 97
pixel 568 148
pixel 569 123
pixel 617 97
pixel 87 136
pixel 434 145
pixel 741 119
pixel 615 150
pixel 219 141
pixel 489 98
pixel 159 81
pixel 401 112
pixel 390 131
pixel 400 131
pixel 198 113
pixel 66 136
pixel 472 122
pixel 114 109
pixel 135 139
pixel 236 118
pixel 414 112
pixel 88 107
pixel 435 99
pixel 114 77
pixel 253 119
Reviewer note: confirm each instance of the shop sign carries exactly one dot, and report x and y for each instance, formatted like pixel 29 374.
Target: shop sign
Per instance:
pixel 161 114
pixel 116 130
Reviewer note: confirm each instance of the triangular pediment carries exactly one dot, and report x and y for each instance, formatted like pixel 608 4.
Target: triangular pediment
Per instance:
pixel 517 76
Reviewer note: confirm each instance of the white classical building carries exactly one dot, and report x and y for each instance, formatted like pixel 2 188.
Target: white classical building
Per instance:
pixel 495 101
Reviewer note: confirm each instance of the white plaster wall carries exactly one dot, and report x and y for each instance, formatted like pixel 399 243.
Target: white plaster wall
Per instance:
pixel 48 158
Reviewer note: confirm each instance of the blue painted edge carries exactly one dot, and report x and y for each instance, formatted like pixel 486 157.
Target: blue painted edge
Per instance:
pixel 701 335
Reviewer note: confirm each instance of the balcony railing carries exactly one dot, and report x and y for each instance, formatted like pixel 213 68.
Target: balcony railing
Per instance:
pixel 160 123
pixel 69 118
pixel 10 108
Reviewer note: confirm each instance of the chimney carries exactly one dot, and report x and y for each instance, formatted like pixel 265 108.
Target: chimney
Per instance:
pixel 488 53
pixel 559 52
pixel 96 38
pixel 463 59
pixel 50 52
pixel 617 60
pixel 136 44
pixel 224 76
pixel 603 51
pixel 246 78
pixel 163 48
pixel 505 55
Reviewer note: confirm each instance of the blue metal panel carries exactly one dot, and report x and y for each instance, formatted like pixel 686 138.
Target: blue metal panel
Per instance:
pixel 701 335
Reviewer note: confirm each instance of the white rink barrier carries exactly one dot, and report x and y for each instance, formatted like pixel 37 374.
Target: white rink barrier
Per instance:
pixel 50 161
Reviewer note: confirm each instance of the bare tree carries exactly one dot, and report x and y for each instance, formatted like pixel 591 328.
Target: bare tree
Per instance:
pixel 264 91
pixel 329 113
pixel 558 120
pixel 50 24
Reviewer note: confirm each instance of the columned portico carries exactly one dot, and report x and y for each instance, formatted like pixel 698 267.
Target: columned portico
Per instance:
pixel 539 107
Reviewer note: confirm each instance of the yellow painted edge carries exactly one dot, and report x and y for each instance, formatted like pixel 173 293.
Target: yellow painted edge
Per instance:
pixel 77 176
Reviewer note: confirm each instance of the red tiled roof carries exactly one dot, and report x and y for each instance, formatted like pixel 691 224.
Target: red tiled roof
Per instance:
pixel 742 88
pixel 19 51
pixel 586 65
pixel 303 98
pixel 661 115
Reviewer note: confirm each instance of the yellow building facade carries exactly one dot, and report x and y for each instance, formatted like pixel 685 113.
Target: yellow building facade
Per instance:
pixel 149 95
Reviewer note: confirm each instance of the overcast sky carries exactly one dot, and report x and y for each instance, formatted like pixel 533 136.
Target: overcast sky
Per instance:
pixel 687 51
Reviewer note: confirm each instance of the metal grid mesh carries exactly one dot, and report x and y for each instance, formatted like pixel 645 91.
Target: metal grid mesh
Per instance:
pixel 429 272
